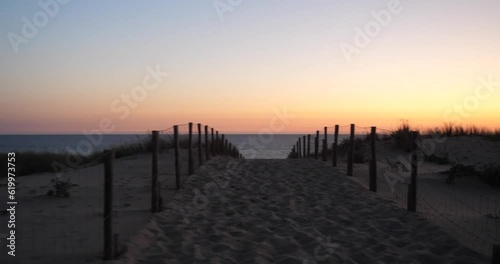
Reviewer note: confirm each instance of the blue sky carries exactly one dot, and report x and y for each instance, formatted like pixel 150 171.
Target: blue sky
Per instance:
pixel 263 54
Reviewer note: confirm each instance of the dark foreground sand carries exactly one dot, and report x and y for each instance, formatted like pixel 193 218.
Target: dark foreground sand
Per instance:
pixel 287 211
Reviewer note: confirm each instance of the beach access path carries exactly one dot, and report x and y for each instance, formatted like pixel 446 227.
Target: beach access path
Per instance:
pixel 287 211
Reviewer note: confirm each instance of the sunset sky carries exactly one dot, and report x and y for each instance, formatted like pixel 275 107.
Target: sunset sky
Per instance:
pixel 234 69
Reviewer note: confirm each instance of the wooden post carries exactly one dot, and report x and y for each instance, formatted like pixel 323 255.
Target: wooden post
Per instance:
pixel 176 153
pixel 207 155
pixel 200 155
pixel 308 145
pixel 412 187
pixel 216 145
pixel 495 257
pixel 316 145
pixel 226 147
pixel 334 147
pixel 304 146
pixel 350 155
pixel 293 152
pixel 325 146
pixel 221 147
pixel 212 145
pixel 108 205
pixel 190 150
pixel 154 173
pixel 373 161
pixel 300 148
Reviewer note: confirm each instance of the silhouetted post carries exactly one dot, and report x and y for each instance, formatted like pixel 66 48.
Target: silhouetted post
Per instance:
pixel 108 205
pixel 373 161
pixel 495 258
pixel 154 172
pixel 304 146
pixel 323 154
pixel 190 150
pixel 325 146
pixel 350 154
pixel 308 145
pixel 212 145
pixel 216 145
pixel 207 155
pixel 293 152
pixel 300 148
pixel 226 146
pixel 316 145
pixel 412 187
pixel 176 152
pixel 230 149
pixel 200 156
pixel 334 147
pixel 221 147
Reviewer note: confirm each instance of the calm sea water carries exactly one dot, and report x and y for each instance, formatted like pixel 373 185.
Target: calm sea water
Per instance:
pixel 250 145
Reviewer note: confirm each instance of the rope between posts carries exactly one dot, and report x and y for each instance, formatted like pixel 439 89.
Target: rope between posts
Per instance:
pixel 165 130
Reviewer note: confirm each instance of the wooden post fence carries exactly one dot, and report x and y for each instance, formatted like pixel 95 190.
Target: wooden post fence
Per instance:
pixel 207 155
pixel 350 155
pixel 200 155
pixel 316 145
pixel 325 145
pixel 412 187
pixel 176 153
pixel 335 145
pixel 190 150
pixel 109 253
pixel 154 172
pixel 373 160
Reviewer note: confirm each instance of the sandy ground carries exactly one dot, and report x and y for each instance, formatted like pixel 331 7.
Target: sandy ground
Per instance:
pixel 288 211
pixel 461 208
pixel 70 230
pixel 271 211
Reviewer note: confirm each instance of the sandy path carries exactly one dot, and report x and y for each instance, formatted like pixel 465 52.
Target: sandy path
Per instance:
pixel 288 211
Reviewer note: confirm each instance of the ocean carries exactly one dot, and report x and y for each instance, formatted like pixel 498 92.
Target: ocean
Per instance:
pixel 256 146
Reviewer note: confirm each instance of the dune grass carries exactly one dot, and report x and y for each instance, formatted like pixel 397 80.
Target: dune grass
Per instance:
pixel 30 162
pixel 453 130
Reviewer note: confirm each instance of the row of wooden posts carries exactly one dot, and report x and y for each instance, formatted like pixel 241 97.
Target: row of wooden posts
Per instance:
pixel 217 145
pixel 302 149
